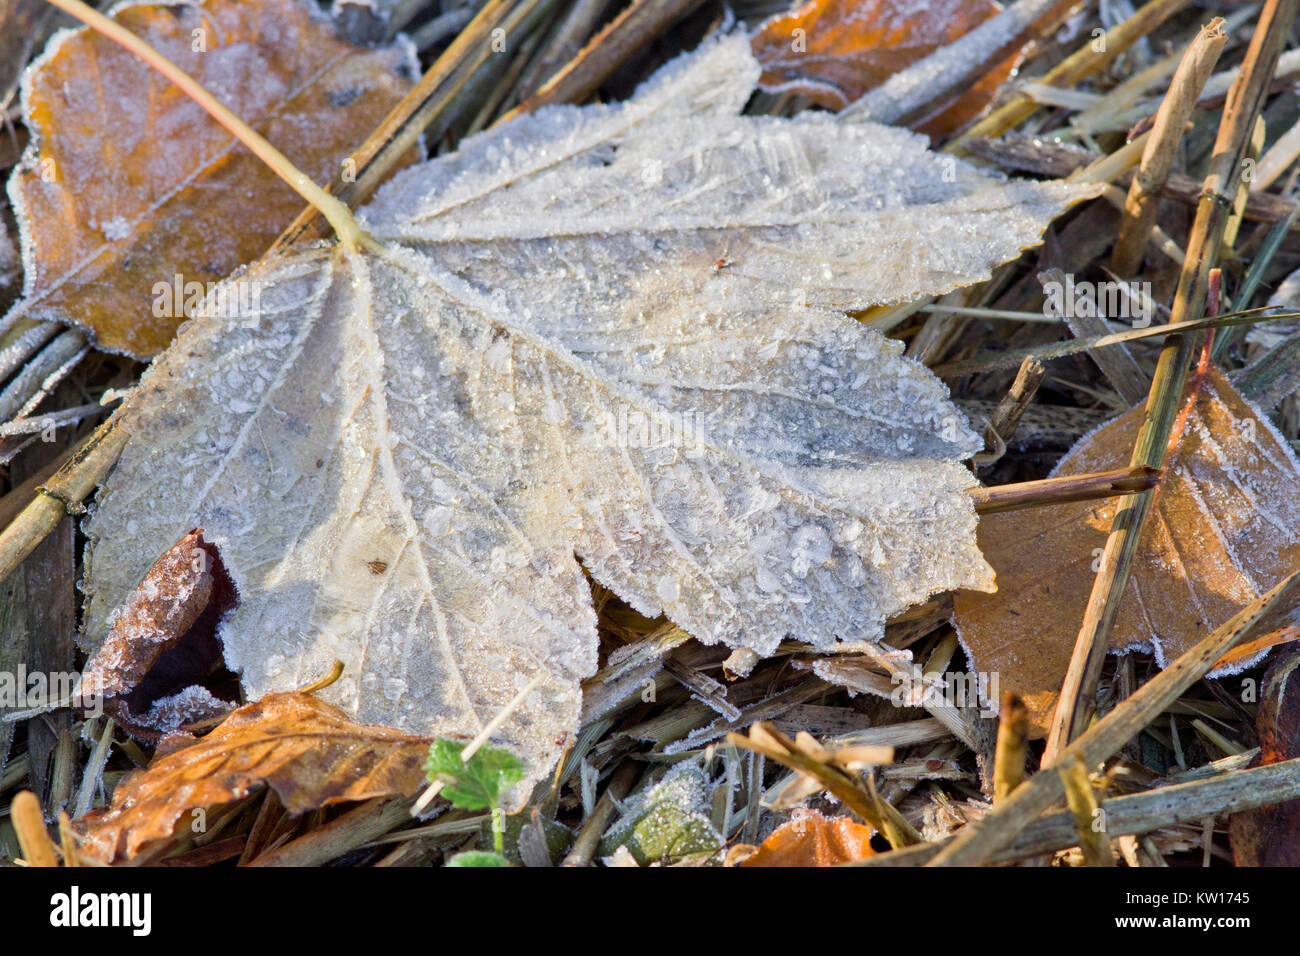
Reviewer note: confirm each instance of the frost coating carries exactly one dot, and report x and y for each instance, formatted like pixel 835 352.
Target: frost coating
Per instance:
pixel 560 353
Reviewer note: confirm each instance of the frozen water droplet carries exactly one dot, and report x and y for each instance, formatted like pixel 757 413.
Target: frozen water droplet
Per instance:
pixel 767 581
pixel 668 589
pixel 809 546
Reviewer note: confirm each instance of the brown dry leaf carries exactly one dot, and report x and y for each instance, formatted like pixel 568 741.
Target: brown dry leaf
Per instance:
pixel 113 208
pixel 1225 527
pixel 309 752
pixel 811 839
pixel 1270 835
pixel 833 51
pixel 164 640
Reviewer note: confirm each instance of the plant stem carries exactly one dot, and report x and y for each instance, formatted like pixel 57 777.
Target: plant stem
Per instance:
pixel 61 495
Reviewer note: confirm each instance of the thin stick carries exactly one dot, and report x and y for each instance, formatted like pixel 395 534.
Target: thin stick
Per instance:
pixel 338 215
pixel 1162 148
pixel 1085 809
pixel 593 828
pixel 1004 421
pixel 1078 694
pixel 1013 357
pixel 1009 757
pixel 978 842
pixel 60 496
pixel 1055 491
pixel 473 746
pixel 25 814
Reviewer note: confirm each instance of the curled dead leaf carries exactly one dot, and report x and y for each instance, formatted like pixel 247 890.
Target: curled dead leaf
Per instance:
pixel 310 753
pixel 164 640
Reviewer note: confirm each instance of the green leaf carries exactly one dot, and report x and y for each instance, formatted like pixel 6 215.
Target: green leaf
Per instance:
pixel 478 784
pixel 477 858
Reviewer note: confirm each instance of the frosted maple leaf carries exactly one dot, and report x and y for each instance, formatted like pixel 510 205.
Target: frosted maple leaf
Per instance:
pixel 615 332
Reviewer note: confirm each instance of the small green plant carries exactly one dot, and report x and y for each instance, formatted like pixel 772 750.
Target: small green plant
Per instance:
pixel 477 783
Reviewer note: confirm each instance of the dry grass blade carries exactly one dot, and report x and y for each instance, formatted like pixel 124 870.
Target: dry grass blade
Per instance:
pixel 60 496
pixel 1162 148
pixel 1045 353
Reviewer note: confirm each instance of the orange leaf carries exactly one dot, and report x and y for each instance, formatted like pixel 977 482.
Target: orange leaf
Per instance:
pixel 131 184
pixel 1223 529
pixel 309 752
pixel 833 51
pixel 811 839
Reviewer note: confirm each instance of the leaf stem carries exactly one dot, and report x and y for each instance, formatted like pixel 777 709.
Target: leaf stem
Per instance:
pixel 339 216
